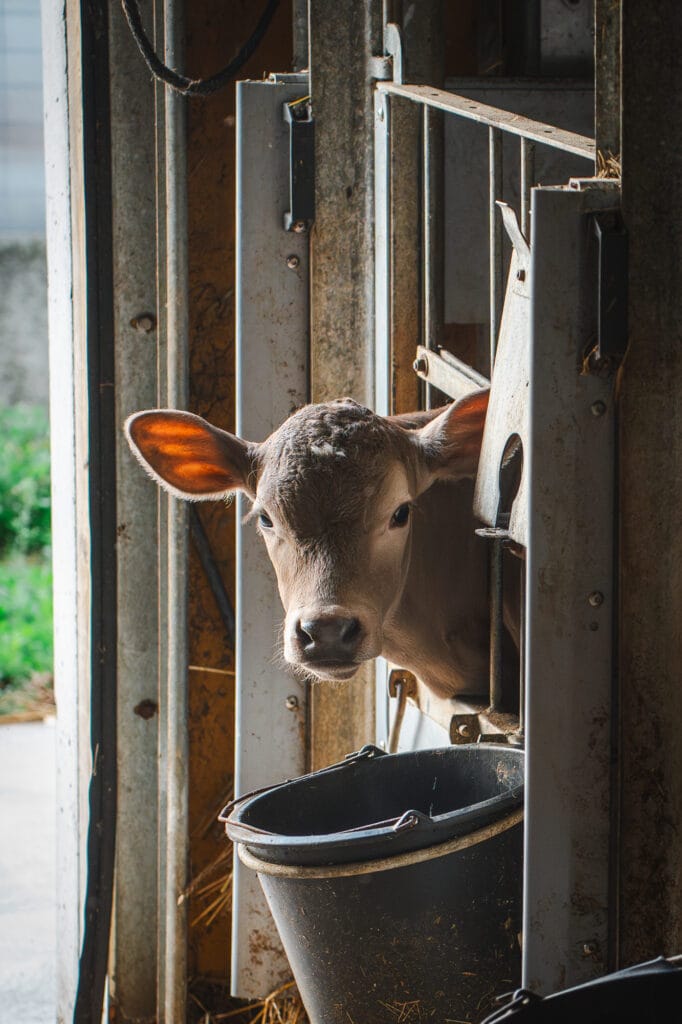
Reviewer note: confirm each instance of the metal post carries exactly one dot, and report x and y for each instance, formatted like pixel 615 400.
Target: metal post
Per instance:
pixel 173 531
pixel 650 456
pixel 607 57
pixel 496 257
pixel 432 231
pixel 343 38
pixel 527 176
pixel 495 233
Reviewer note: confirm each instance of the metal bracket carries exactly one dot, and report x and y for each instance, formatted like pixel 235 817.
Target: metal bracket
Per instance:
pixel 612 306
pixel 393 44
pixel 301 213
pixel 447 373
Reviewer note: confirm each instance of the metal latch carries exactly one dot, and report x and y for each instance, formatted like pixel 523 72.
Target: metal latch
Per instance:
pixel 612 309
pixel 301 213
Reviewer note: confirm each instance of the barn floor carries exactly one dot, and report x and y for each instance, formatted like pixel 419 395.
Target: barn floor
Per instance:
pixel 27 869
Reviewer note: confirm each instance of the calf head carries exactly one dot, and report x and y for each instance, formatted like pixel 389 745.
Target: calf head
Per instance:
pixel 334 490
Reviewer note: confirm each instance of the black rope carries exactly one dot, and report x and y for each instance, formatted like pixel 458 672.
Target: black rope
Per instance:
pixel 194 86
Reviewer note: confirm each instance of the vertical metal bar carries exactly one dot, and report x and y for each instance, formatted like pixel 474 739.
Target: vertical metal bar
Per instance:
pixel 496 624
pixel 272 380
pixel 569 655
pixel 522 647
pixel 495 234
pixel 607 69
pixel 432 228
pixel 650 456
pixel 495 241
pixel 173 532
pixel 527 176
pixel 134 953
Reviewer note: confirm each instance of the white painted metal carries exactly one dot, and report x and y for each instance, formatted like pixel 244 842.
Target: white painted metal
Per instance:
pixel 72 701
pixel 508 407
pixel 570 603
pixel 272 380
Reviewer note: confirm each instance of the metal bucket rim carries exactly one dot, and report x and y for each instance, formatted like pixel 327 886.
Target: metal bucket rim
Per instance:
pixel 398 860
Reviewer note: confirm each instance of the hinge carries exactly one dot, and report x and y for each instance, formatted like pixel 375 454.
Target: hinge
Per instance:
pixel 301 213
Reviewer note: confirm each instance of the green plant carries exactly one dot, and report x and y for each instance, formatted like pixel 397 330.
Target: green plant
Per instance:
pixel 25 618
pixel 24 479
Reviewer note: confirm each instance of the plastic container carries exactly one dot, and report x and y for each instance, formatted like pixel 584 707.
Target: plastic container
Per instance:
pixel 394 881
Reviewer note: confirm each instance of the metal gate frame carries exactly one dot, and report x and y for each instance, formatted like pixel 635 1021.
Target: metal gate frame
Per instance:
pixel 568 899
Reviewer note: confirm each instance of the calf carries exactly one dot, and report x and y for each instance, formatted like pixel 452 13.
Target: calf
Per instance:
pixel 368 522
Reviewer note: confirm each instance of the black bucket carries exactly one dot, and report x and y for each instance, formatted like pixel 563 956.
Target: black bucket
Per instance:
pixel 394 881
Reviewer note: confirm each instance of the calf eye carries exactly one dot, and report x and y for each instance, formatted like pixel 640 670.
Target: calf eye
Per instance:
pixel 400 516
pixel 265 521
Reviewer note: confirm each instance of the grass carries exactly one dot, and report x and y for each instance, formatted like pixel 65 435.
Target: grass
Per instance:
pixel 25 564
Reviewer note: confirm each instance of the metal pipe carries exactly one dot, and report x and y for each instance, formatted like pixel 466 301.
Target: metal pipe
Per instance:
pixel 495 234
pixel 176 746
pixel 432 235
pixel 496 624
pixel 527 177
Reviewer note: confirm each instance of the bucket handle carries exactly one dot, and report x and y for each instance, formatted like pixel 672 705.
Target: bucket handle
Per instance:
pixel 365 753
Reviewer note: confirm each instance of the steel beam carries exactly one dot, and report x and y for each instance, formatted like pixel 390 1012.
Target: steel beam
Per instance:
pixel 650 457
pixel 134 950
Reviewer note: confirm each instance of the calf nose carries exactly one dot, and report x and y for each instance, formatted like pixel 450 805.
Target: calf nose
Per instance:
pixel 329 637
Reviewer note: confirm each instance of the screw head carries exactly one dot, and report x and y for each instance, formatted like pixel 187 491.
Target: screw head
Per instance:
pixel 291 703
pixel 463 729
pixel 144 322
pixel 298 227
pixel 598 408
pixel 596 598
pixel 590 948
pixel 292 262
pixel 420 365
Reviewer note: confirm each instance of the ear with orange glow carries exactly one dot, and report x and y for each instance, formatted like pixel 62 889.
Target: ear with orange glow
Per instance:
pixel 189 457
pixel 451 443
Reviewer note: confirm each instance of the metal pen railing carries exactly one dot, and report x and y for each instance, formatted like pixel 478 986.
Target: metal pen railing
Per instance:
pixel 453 376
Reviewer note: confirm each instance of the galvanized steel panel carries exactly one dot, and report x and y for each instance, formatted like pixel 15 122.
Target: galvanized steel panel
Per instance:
pixel 570 591
pixel 272 380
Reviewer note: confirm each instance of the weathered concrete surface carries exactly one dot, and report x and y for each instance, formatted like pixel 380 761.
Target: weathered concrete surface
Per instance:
pixel 28 931
pixel 23 322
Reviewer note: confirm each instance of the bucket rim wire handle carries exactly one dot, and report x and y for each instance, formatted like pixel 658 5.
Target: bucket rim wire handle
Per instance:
pixel 365 753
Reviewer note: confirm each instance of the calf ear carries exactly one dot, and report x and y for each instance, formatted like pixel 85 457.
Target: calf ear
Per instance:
pixel 450 444
pixel 189 457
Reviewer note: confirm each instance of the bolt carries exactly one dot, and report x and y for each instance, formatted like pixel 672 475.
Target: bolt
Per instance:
pixel 590 948
pixel 596 598
pixel 298 227
pixel 598 408
pixel 292 262
pixel 146 709
pixel 420 365
pixel 463 729
pixel 144 322
pixel 291 703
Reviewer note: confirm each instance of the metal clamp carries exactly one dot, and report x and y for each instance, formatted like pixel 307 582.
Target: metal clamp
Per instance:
pixel 301 213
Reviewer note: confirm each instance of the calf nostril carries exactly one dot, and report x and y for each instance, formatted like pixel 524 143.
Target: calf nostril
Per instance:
pixel 305 633
pixel 330 636
pixel 350 631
